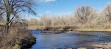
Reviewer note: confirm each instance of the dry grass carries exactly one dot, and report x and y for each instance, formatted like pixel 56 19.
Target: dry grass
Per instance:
pixel 16 36
pixel 79 27
pixel 65 28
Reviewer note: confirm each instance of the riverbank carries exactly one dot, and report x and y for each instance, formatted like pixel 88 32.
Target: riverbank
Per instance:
pixel 69 28
pixel 16 39
pixel 103 45
pixel 25 43
pixel 106 45
pixel 93 29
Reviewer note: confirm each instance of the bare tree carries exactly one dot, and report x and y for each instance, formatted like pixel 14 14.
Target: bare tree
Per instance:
pixel 45 20
pixel 11 8
pixel 84 14
pixel 107 11
pixel 33 22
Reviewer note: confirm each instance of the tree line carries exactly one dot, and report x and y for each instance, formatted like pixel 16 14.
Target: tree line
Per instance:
pixel 83 17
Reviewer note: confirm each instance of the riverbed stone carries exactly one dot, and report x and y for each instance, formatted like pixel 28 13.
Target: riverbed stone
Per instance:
pixel 82 48
pixel 70 48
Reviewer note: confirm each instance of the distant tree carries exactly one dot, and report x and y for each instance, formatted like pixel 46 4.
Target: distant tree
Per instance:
pixel 46 21
pixel 84 14
pixel 107 11
pixel 11 8
pixel 33 22
pixel 63 22
pixel 53 19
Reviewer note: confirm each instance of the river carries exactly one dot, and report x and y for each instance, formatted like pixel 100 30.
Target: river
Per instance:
pixel 69 39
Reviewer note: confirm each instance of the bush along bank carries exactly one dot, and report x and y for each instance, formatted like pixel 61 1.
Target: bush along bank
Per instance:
pixel 25 43
pixel 17 39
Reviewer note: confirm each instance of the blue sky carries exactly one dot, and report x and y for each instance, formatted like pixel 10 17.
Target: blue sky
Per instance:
pixel 64 7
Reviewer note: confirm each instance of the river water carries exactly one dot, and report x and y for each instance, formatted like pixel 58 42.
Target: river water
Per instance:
pixel 69 39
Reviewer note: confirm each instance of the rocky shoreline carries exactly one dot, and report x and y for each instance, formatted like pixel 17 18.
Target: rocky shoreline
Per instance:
pixel 102 45
pixel 95 46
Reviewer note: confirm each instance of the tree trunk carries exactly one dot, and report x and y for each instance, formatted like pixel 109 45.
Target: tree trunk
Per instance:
pixel 7 23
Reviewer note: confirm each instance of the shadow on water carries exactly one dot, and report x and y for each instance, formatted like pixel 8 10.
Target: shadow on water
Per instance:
pixel 68 40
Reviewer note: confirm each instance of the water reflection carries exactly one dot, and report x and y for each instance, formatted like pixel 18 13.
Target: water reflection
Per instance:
pixel 68 40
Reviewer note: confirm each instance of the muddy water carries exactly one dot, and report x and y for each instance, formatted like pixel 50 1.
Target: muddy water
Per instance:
pixel 69 39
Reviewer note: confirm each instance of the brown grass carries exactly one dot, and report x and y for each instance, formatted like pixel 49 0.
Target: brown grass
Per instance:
pixel 53 28
pixel 16 35
pixel 81 27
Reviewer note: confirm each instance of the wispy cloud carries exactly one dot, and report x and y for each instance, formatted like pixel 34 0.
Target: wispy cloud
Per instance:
pixel 47 0
pixel 47 12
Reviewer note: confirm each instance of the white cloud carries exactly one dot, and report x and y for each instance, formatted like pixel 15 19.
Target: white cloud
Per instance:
pixel 47 12
pixel 47 0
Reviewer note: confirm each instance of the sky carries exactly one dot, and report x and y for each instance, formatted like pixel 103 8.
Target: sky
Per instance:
pixel 64 7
